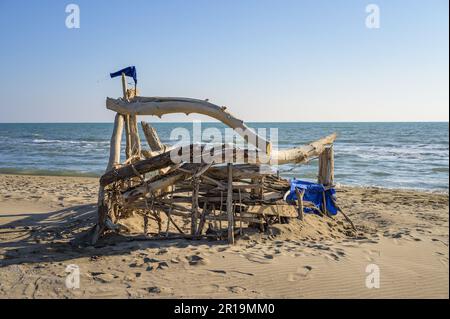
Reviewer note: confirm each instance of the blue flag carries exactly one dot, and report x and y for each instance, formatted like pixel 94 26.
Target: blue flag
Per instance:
pixel 129 71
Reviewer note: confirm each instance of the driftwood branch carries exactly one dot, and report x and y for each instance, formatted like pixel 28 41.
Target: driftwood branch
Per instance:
pixel 295 155
pixel 304 153
pixel 160 106
pixel 152 137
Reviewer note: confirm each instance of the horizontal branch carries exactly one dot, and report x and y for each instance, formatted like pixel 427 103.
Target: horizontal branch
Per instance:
pixel 159 106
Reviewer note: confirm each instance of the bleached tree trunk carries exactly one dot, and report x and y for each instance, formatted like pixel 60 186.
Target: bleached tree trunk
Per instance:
pixel 114 159
pixel 326 167
pixel 300 154
pixel 116 140
pixel 303 153
pixel 134 136
pixel 152 137
pixel 159 106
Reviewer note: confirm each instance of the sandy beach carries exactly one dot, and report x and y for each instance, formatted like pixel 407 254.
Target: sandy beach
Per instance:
pixel 404 233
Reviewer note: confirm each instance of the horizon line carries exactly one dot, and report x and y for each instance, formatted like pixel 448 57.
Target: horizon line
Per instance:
pixel 184 122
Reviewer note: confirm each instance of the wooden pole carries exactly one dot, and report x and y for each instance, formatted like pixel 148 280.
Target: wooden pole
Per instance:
pixel 127 137
pixel 194 212
pixel 127 120
pixel 132 133
pixel 201 224
pixel 326 167
pixel 230 205
pixel 116 139
pixel 300 202
pixel 135 140
pixel 114 159
pixel 124 87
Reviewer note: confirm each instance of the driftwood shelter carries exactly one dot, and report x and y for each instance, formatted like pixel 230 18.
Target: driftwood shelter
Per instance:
pixel 218 199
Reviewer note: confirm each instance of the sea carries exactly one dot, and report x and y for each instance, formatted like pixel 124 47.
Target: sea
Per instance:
pixel 391 155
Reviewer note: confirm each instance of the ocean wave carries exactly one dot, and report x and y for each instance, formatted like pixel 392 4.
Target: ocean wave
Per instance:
pixel 88 142
pixel 407 156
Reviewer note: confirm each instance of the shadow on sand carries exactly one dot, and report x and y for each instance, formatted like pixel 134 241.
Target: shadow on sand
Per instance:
pixel 55 237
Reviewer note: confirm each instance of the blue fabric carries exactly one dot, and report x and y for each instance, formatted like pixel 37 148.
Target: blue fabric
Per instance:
pixel 314 193
pixel 129 71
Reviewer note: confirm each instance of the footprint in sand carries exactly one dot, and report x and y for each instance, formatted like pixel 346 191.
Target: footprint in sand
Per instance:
pixel 371 254
pixel 265 259
pixel 159 290
pixel 301 273
pixel 196 260
pixel 236 289
pixel 444 261
pixel 218 271
pixel 103 277
pixel 162 251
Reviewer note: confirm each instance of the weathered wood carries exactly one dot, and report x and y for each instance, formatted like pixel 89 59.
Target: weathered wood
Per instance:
pixel 240 171
pixel 151 187
pixel 201 224
pixel 142 167
pixel 155 146
pixel 345 215
pixel 173 223
pixel 230 205
pixel 300 202
pixel 135 139
pixel 206 181
pixel 165 105
pixel 124 87
pixel 163 160
pixel 324 205
pixel 152 137
pixel 304 153
pixel 160 182
pixel 114 159
pixel 194 207
pixel 131 93
pixel 127 136
pixel 157 162
pixel 126 119
pixel 326 167
pixel 116 139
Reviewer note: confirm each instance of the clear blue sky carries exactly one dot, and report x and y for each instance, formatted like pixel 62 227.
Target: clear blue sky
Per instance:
pixel 266 60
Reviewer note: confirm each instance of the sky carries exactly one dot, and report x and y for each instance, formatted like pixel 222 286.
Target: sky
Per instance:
pixel 266 60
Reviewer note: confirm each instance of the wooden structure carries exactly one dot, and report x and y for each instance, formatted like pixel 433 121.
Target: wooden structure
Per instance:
pixel 217 198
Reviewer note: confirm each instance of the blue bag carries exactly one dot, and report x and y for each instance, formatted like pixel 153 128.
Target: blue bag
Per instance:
pixel 314 194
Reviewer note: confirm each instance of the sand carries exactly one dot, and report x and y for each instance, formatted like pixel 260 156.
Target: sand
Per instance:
pixel 403 233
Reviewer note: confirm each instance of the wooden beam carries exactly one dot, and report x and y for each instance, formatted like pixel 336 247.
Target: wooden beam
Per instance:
pixel 141 167
pixel 166 105
pixel 326 167
pixel 135 139
pixel 162 160
pixel 303 153
pixel 240 171
pixel 194 207
pixel 158 162
pixel 151 187
pixel 116 139
pixel 300 202
pixel 230 205
pixel 127 119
